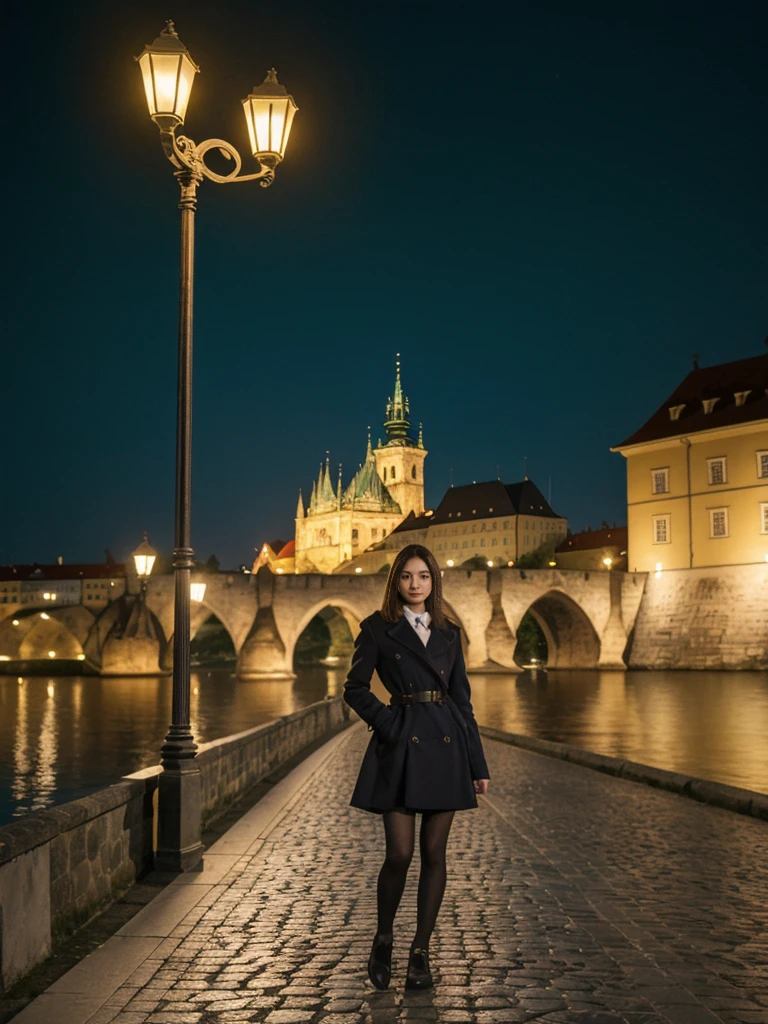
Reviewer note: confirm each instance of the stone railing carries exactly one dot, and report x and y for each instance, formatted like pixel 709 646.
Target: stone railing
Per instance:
pixel 60 867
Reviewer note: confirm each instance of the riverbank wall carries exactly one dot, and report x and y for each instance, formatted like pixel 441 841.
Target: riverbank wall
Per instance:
pixel 60 867
pixel 703 619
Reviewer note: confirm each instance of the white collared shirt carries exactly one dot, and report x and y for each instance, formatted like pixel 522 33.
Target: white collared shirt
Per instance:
pixel 422 626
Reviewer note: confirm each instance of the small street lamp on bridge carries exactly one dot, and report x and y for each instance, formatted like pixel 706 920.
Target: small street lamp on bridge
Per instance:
pixel 168 72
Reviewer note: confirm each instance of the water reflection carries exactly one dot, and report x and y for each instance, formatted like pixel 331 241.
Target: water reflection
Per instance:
pixel 61 738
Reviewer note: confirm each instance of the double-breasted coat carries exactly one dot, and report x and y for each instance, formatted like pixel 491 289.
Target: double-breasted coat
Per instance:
pixel 421 756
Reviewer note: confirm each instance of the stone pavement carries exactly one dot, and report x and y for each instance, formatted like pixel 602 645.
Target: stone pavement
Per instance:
pixel 572 897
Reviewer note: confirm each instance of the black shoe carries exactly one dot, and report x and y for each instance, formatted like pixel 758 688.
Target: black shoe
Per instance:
pixel 419 975
pixel 380 961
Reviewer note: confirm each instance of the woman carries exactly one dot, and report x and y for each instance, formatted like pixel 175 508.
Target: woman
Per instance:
pixel 425 754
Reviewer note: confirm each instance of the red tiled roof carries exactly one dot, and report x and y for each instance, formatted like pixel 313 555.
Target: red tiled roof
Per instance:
pixel 587 540
pixel 61 572
pixel 288 551
pixel 721 382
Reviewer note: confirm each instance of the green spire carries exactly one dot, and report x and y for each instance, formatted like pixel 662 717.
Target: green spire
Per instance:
pixel 398 422
pixel 366 490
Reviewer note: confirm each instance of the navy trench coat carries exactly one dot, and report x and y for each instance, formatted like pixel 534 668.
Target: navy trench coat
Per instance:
pixel 421 757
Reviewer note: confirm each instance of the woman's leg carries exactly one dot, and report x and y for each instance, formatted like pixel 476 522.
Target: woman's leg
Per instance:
pixel 433 840
pixel 399 830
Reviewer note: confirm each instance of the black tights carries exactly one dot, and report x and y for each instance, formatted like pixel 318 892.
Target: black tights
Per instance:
pixel 400 829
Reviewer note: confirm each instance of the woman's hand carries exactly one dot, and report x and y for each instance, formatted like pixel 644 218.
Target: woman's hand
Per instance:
pixel 481 786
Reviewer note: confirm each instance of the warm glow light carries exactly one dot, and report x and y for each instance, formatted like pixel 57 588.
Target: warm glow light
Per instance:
pixel 44 615
pixel 607 562
pixel 4 657
pixel 51 654
pixel 168 72
pixel 489 563
pixel 552 562
pixel 269 113
pixel 144 557
pixel 19 680
pixel 81 657
pixel 280 570
pixel 510 564
pixel 450 563
pixel 16 621
pixel 358 569
pixel 51 689
pixel 196 690
pixel 197 591
pixel 46 597
pixel 658 567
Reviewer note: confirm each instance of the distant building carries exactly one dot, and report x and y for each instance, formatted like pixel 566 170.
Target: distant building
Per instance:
pixel 603 549
pixel 341 522
pixel 494 521
pixel 697 472
pixel 94 585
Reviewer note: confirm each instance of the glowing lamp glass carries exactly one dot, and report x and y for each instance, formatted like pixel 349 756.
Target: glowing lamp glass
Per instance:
pixel 15 622
pixel 269 112
pixel 44 615
pixel 358 569
pixel 168 72
pixel 490 564
pixel 608 562
pixel 144 557
pixel 197 592
pixel 51 654
pixel 450 563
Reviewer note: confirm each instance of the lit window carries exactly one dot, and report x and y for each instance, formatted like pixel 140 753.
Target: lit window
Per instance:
pixel 716 470
pixel 718 522
pixel 661 529
pixel 762 463
pixel 764 517
pixel 660 480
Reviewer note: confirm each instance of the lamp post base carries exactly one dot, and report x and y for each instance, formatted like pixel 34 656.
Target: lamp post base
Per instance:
pixel 179 811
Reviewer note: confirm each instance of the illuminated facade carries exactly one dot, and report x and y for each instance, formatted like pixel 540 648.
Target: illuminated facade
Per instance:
pixel 339 523
pixel 697 472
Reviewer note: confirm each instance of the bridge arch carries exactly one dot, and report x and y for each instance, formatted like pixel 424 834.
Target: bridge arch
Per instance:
pixel 340 616
pixel 37 635
pixel 572 641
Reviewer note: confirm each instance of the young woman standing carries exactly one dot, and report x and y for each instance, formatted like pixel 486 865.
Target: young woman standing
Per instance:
pixel 425 755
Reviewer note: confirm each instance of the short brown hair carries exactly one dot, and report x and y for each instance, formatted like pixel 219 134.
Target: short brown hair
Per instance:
pixel 392 606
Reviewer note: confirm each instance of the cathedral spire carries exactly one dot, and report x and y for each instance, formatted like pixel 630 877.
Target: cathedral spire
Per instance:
pixel 420 443
pixel 397 421
pixel 300 507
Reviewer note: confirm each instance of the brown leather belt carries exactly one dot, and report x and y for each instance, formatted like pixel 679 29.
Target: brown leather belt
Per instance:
pixel 419 697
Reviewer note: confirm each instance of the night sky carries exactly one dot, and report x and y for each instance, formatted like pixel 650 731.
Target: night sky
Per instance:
pixel 546 207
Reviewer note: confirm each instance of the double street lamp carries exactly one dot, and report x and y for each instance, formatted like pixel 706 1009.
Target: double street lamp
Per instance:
pixel 168 72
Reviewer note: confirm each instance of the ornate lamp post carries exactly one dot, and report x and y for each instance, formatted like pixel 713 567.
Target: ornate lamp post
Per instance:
pixel 168 72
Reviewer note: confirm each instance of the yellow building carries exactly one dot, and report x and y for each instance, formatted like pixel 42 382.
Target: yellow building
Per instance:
pixel 340 523
pixel 697 472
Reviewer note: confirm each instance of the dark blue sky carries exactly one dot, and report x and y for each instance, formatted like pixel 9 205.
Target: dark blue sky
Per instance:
pixel 545 207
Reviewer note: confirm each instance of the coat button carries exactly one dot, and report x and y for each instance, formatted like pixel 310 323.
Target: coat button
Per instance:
pixel 414 739
pixel 442 671
pixel 397 656
pixel 446 739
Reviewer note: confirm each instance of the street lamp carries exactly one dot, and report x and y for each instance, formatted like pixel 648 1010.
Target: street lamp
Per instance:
pixel 168 72
pixel 144 558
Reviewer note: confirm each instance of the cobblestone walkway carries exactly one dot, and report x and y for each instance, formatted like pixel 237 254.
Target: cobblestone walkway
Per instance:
pixel 572 897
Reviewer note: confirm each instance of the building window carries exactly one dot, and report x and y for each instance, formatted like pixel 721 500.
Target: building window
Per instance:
pixel 716 470
pixel 494 542
pixel 482 542
pixel 464 544
pixel 709 404
pixel 392 472
pixel 660 480
pixel 385 474
pixel 764 517
pixel 762 463
pixel 354 535
pixel 506 540
pixel 413 472
pixel 375 532
pixel 718 522
pixel 661 529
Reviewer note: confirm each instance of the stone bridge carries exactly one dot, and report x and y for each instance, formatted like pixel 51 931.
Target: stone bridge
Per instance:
pixel 586 618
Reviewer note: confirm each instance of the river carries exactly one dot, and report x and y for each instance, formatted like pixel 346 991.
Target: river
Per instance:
pixel 62 737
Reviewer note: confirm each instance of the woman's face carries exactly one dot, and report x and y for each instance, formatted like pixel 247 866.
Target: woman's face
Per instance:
pixel 415 583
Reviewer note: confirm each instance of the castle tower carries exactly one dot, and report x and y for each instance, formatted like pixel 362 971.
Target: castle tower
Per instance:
pixel 400 460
